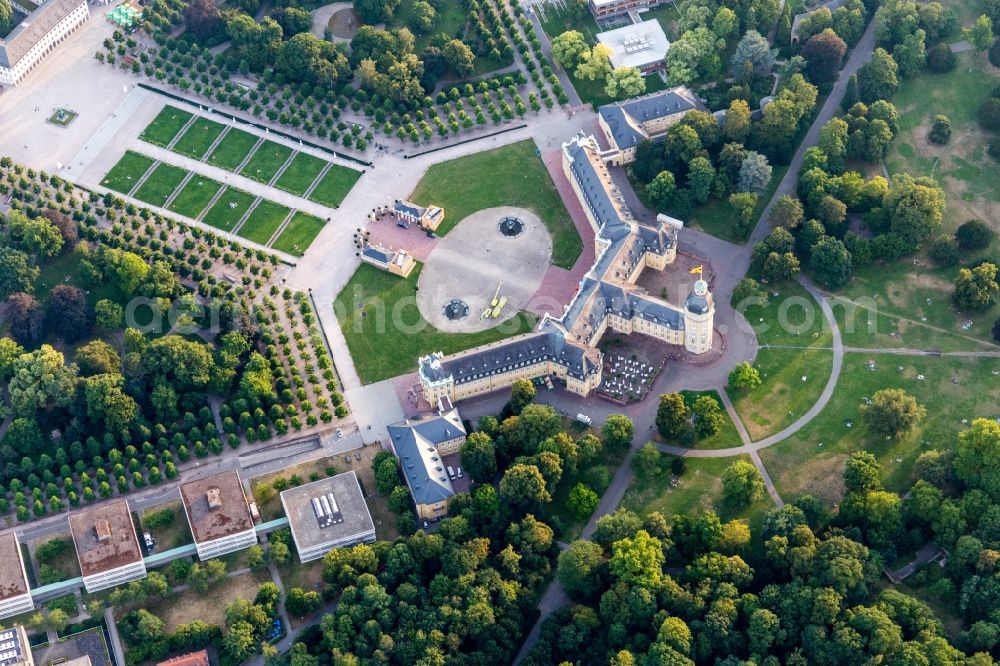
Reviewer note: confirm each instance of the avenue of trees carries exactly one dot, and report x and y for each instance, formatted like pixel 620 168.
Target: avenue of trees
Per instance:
pixel 121 409
pixel 802 588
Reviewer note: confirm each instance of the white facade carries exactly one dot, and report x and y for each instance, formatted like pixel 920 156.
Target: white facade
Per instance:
pixel 16 605
pixel 18 58
pixel 319 550
pixel 227 544
pixel 123 574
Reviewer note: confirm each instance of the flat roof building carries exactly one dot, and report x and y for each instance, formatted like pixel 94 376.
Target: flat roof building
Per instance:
pixel 218 514
pixel 15 595
pixel 199 658
pixel 106 546
pixel 642 45
pixel 15 650
pixel 327 514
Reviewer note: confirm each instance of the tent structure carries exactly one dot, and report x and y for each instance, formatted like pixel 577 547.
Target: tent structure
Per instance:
pixel 126 16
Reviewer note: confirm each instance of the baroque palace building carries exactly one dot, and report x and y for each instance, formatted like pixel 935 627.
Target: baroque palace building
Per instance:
pixel 607 298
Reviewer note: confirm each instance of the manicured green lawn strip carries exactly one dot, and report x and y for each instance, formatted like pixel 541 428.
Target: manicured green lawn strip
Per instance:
pixel 233 149
pixel 160 184
pixel 264 221
pixel 198 138
pixel 698 490
pixel 812 461
pixel 334 185
pixel 165 126
pixel 127 172
pixel 221 216
pixel 300 174
pixel 510 176
pixel 726 437
pixel 195 196
pixel 296 238
pixel 266 161
pixel 378 348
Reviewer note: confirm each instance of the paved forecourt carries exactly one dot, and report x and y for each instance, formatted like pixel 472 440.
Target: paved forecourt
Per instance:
pixel 475 261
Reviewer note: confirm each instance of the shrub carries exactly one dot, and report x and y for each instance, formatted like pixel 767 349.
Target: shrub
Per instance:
pixel 940 130
pixel 944 252
pixel 940 59
pixel 989 114
pixel 974 235
pixel 993 148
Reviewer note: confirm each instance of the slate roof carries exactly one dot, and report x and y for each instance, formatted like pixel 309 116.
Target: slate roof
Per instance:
pixel 31 30
pixel 408 208
pixel 415 442
pixel 626 118
pixel 696 303
pixel 376 255
pixel 596 195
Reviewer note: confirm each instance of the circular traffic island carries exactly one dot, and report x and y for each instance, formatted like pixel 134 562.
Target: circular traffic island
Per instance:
pixel 477 276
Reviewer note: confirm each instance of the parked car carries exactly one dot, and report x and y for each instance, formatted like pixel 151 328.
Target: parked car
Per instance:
pixel 458 472
pixel 403 225
pixel 431 234
pixel 340 433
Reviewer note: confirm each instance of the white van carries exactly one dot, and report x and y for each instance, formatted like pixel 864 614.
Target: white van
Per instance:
pixel 460 472
pixel 583 418
pixel 451 473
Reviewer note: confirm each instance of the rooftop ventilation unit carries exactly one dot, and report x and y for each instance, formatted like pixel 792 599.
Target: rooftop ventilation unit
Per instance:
pixel 103 530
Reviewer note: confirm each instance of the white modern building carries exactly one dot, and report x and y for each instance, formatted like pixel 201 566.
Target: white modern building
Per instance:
pixel 642 45
pixel 15 650
pixel 327 514
pixel 218 514
pixel 106 546
pixel 38 34
pixel 15 596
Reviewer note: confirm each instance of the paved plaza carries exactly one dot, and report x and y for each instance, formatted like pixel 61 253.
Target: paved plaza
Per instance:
pixel 475 262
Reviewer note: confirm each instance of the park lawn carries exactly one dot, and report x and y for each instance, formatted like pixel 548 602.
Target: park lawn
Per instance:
pixel 513 175
pixel 233 149
pixel 223 215
pixel 916 291
pixel 698 490
pixel 264 220
pixel 556 21
pixel 667 15
pixel 783 397
pixel 728 436
pixel 812 461
pixel 266 161
pixel 127 172
pixel 866 327
pixel 381 350
pixel 334 185
pixel 300 174
pixel 592 92
pixel 160 184
pixel 301 231
pixel 165 126
pixel 791 319
pixel 451 19
pixel 195 196
pixel 209 607
pixel 198 138
pixel 65 269
pixel 962 167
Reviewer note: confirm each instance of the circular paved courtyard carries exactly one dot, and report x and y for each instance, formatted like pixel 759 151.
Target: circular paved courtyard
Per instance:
pixel 472 259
